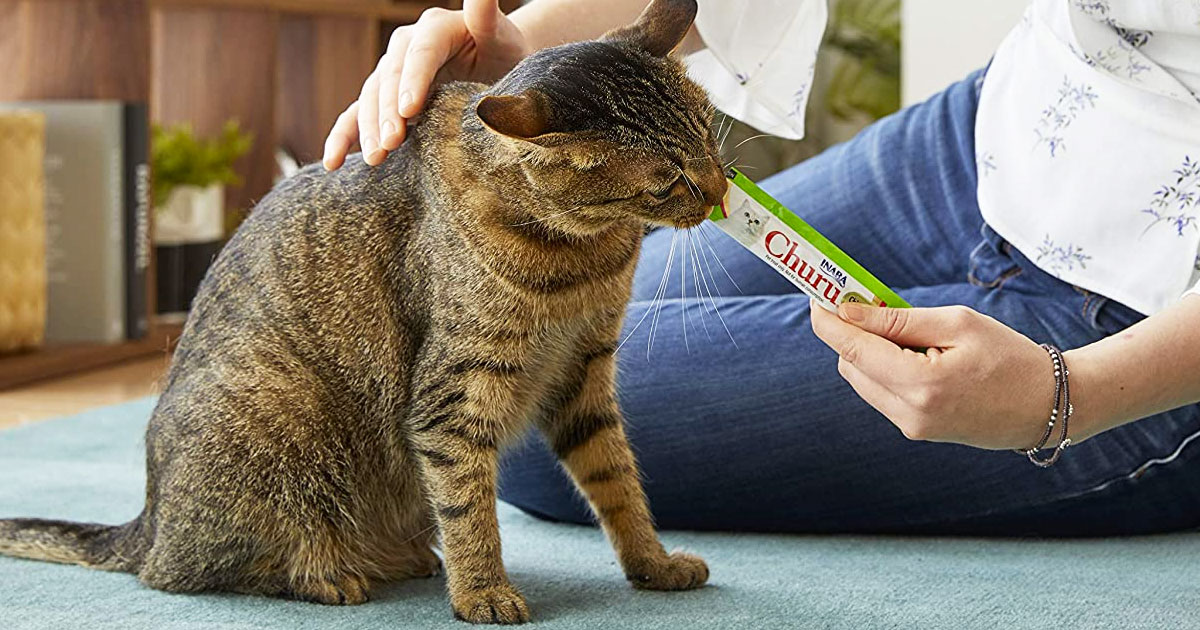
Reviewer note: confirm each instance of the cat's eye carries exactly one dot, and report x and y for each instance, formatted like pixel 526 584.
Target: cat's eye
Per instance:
pixel 664 194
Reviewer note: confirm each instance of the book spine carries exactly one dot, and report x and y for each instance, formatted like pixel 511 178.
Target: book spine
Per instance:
pixel 136 194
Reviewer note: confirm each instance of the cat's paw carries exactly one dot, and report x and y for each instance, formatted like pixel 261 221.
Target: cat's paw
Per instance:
pixel 337 590
pixel 426 564
pixel 429 567
pixel 495 604
pixel 676 572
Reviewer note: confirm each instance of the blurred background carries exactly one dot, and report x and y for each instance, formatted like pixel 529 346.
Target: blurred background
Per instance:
pixel 136 134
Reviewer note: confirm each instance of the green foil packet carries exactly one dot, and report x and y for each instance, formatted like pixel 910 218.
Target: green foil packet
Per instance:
pixel 796 250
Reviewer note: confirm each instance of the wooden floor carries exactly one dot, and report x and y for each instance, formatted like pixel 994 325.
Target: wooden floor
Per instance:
pixel 71 395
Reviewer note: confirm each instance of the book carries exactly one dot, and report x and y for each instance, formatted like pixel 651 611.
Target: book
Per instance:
pixel 91 209
pixel 795 249
pixel 137 218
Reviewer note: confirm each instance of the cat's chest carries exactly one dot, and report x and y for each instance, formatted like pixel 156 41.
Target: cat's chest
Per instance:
pixel 549 281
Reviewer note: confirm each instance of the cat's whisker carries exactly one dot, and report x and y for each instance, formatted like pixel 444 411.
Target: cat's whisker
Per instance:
pixel 717 257
pixel 691 186
pixel 722 132
pixel 683 289
pixel 728 130
pixel 697 275
pixel 418 534
pixel 761 135
pixel 662 294
pixel 713 301
pixel 661 283
pixel 658 297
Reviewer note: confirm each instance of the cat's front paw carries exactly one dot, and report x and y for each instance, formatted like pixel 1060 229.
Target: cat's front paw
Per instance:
pixel 676 572
pixel 495 604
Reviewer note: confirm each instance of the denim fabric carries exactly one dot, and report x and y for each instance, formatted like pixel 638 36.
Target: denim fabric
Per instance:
pixel 764 435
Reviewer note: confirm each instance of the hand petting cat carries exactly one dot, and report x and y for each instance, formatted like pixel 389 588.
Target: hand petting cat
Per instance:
pixel 478 43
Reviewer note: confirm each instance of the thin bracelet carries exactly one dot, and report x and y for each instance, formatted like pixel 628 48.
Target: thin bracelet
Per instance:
pixel 1063 409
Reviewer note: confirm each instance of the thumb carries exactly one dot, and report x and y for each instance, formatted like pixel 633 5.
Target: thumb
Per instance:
pixel 482 18
pixel 911 327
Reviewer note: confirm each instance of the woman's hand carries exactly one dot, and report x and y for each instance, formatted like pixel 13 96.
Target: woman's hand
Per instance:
pixel 979 383
pixel 478 43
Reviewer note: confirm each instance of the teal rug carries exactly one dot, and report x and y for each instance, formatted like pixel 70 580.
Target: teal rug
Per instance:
pixel 89 467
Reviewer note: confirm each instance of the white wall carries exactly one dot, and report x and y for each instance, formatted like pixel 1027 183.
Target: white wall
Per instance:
pixel 944 40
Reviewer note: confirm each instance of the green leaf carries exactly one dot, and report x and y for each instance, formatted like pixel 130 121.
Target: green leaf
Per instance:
pixel 866 79
pixel 178 158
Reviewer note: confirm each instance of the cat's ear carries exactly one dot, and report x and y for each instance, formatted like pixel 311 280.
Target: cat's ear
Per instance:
pixel 524 116
pixel 660 28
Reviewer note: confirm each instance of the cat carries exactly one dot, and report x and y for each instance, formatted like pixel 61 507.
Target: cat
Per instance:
pixel 369 338
pixel 751 224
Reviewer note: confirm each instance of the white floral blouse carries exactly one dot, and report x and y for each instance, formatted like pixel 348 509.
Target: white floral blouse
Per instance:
pixel 1087 134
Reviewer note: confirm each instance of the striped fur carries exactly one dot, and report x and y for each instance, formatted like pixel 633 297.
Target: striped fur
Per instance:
pixel 369 339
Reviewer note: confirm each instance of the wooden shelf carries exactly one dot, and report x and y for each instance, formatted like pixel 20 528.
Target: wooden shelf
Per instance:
pixel 61 360
pixel 283 68
pixel 378 9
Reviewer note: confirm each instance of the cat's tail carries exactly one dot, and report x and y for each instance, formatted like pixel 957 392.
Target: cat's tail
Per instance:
pixel 107 547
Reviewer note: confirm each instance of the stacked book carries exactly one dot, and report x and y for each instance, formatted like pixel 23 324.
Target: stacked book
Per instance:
pixel 97 202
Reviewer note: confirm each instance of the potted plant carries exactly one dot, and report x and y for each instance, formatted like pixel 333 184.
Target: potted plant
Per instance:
pixel 190 176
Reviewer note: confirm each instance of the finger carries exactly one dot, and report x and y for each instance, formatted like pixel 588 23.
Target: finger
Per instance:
pixel 913 327
pixel 879 358
pixel 341 138
pixel 389 108
pixel 368 121
pixel 391 125
pixel 884 400
pixel 437 33
pixel 482 18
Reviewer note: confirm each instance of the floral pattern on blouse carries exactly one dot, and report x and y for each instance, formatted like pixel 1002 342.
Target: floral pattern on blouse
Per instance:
pixel 800 96
pixel 1055 258
pixel 1099 10
pixel 1177 202
pixel 985 163
pixel 1121 59
pixel 1072 100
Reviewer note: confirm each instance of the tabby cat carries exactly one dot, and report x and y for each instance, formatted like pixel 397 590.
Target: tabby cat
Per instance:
pixel 370 338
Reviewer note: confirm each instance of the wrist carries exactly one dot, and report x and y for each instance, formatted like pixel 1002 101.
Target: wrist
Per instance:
pixel 1087 395
pixel 1039 391
pixel 547 23
pixel 530 23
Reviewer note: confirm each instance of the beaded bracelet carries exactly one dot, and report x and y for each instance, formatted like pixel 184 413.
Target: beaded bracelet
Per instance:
pixel 1062 410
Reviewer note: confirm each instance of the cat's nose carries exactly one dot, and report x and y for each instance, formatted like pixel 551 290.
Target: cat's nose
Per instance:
pixel 710 179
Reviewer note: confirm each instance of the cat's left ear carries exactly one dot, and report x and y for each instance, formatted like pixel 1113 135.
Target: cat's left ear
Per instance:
pixel 524 116
pixel 660 27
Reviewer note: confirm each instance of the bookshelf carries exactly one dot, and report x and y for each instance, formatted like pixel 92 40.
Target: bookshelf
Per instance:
pixel 283 68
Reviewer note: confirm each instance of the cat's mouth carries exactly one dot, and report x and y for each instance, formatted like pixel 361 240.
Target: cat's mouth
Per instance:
pixel 692 220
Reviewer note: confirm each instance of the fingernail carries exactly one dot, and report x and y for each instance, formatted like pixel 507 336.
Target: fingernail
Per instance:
pixel 406 99
pixel 389 129
pixel 852 311
pixel 369 146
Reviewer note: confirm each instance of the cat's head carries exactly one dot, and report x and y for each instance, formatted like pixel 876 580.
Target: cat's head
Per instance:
pixel 612 128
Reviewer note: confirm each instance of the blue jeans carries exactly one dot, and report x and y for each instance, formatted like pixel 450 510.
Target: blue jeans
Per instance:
pixel 766 436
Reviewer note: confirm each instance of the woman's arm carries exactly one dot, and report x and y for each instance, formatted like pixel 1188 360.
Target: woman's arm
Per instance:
pixel 986 385
pixel 548 23
pixel 1148 368
pixel 552 22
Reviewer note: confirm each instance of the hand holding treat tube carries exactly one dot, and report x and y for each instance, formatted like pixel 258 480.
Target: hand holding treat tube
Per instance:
pixel 979 382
